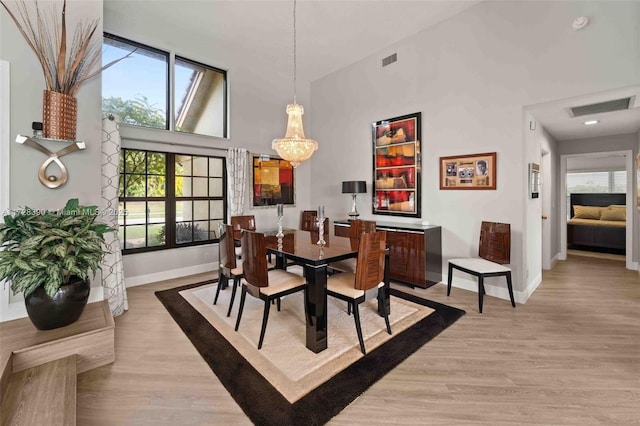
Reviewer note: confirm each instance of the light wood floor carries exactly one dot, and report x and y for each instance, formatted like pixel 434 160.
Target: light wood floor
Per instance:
pixel 569 356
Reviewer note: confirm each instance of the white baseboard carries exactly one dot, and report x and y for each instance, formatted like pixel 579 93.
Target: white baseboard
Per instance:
pixel 167 275
pixel 531 287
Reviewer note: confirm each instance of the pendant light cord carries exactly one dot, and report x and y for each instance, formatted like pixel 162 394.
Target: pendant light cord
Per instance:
pixel 294 52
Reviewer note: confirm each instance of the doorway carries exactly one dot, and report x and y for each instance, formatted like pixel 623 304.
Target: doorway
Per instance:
pixel 558 132
pixel 626 157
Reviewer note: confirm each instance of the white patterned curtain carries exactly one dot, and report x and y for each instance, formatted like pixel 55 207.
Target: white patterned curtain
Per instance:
pixel 237 178
pixel 112 274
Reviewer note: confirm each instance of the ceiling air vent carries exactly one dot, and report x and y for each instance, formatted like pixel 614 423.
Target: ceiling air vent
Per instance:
pixel 608 106
pixel 390 59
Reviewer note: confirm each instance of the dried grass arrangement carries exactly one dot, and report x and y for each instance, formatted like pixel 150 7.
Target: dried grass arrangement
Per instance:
pixel 64 69
pixel 66 66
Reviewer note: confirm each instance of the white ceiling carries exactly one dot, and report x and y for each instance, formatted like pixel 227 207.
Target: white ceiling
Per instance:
pixel 334 34
pixel 330 34
pixel 556 118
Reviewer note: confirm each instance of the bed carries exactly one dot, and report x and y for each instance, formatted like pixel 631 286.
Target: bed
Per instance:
pixel 598 222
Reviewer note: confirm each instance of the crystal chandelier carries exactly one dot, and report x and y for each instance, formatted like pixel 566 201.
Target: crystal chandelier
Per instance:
pixel 294 147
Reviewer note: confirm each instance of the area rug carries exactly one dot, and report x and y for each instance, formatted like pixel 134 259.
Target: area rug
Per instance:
pixel 297 390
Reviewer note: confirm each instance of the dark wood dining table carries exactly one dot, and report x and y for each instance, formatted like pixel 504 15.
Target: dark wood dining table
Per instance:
pixel 301 247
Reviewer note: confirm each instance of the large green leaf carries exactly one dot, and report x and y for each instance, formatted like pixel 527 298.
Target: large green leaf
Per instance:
pixel 72 204
pixel 22 264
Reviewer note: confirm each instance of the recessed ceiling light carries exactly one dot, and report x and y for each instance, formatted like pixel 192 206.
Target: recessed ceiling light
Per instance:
pixel 591 122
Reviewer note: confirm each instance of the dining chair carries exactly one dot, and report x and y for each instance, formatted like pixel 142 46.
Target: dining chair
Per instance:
pixel 493 253
pixel 357 227
pixel 230 267
pixel 239 223
pixel 367 281
pixel 262 283
pixel 309 221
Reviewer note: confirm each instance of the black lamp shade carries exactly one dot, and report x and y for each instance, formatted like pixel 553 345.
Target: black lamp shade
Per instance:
pixel 354 187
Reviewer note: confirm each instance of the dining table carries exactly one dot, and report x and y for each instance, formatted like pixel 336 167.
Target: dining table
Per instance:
pixel 302 248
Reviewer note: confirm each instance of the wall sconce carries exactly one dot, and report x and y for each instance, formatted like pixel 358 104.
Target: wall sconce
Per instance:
pixel 354 187
pixel 51 181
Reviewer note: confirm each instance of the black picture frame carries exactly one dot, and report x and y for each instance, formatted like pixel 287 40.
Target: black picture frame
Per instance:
pixel 397 166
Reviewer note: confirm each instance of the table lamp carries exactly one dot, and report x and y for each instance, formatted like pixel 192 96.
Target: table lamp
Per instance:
pixel 354 187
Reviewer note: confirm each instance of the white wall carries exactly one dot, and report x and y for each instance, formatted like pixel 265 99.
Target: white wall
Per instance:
pixel 470 77
pixel 598 144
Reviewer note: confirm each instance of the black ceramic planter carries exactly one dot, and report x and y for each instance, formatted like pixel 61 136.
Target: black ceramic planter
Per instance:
pixel 64 308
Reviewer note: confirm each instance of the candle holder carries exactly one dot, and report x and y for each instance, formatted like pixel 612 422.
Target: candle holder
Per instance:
pixel 280 209
pixel 321 241
pixel 280 234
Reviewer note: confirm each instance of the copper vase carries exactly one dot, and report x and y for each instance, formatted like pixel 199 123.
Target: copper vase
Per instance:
pixel 59 112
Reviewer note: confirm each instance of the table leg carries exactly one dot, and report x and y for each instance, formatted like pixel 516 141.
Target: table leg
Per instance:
pixel 316 307
pixel 281 261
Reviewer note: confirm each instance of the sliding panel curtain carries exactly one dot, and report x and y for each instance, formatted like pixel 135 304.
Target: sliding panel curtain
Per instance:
pixel 237 178
pixel 112 272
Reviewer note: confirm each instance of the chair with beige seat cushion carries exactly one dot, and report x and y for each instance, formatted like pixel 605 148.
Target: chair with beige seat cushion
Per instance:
pixel 239 223
pixel 309 221
pixel 230 267
pixel 366 282
pixel 260 282
pixel 494 252
pixel 356 229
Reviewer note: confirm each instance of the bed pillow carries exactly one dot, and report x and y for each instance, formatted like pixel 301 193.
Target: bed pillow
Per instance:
pixel 586 212
pixel 616 213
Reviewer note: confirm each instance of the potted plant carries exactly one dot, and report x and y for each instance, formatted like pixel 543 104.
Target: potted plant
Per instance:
pixel 47 255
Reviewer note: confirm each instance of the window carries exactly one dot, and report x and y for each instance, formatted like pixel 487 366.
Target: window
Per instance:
pixel 608 182
pixel 170 200
pixel 138 89
pixel 614 181
pixel 200 98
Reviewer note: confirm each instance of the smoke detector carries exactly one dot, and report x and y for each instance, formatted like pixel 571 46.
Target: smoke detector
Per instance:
pixel 579 23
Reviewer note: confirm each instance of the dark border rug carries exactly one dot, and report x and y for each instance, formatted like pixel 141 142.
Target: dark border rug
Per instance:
pixel 262 402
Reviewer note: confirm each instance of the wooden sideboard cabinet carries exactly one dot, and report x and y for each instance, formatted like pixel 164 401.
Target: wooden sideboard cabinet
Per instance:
pixel 415 251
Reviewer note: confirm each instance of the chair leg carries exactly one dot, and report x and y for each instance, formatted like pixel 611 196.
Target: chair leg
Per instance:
pixel 278 304
pixel 480 291
pixel 265 318
pixel 236 282
pixel 510 287
pixel 356 316
pixel 241 308
pixel 386 314
pixel 449 279
pixel 221 283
